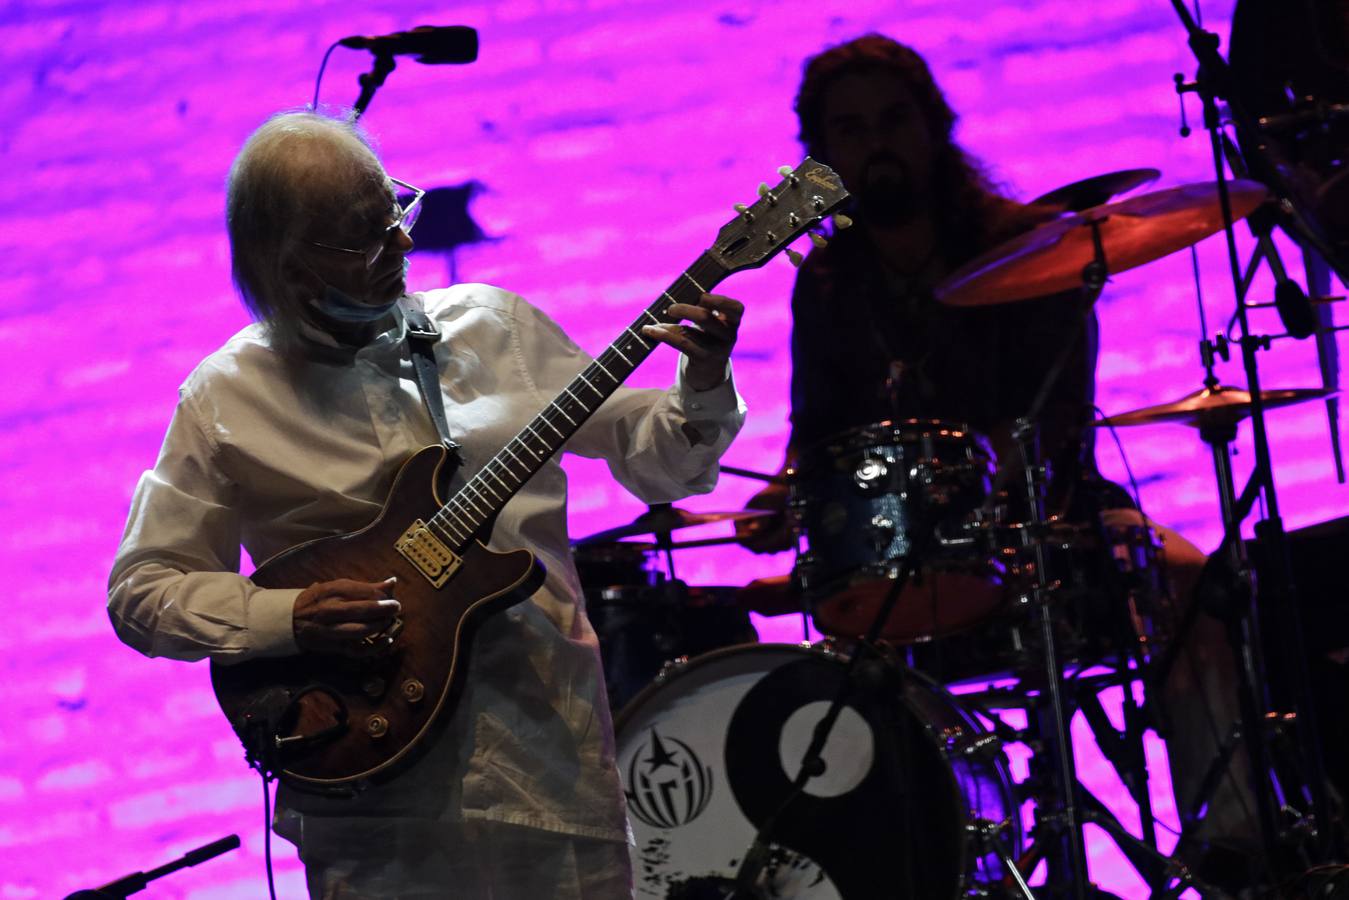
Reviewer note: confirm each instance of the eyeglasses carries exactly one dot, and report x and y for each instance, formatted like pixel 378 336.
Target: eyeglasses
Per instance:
pixel 404 218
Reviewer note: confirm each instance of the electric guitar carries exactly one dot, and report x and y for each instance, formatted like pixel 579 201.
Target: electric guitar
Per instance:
pixel 327 723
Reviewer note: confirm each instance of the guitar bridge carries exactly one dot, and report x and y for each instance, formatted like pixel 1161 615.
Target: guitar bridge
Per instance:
pixel 428 553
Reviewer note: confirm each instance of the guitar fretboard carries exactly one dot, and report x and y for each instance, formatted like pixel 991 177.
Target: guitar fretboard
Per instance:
pixel 484 494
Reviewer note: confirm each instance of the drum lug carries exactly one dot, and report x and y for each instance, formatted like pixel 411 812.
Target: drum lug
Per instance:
pixel 670 668
pixel 985 746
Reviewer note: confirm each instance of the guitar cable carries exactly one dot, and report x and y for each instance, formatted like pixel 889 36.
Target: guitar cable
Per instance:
pixel 267 830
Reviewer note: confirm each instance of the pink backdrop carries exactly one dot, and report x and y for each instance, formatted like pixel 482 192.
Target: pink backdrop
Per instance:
pixel 612 138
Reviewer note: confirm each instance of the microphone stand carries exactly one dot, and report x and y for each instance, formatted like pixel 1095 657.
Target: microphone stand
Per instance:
pixel 372 81
pixel 1276 592
pixel 137 881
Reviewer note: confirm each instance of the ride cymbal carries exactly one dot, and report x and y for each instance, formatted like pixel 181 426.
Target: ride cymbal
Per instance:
pixel 1050 258
pixel 1213 406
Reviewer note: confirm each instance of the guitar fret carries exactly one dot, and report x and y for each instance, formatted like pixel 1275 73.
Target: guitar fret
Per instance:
pixel 439 526
pixel 701 289
pixel 614 347
pixel 567 391
pixel 598 392
pixel 507 487
pixel 469 500
pixel 487 487
pixel 557 406
pixel 521 442
pixel 640 340
pixel 552 426
pixel 465 524
pixel 647 313
pixel 607 372
pixel 524 465
pixel 538 437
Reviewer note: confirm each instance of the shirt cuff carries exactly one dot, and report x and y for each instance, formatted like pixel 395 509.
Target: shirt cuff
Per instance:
pixel 271 622
pixel 710 404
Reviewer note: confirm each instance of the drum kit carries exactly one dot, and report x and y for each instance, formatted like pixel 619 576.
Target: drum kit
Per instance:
pixel 962 620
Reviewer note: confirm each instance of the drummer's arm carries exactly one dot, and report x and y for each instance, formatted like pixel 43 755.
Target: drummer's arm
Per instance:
pixel 773 534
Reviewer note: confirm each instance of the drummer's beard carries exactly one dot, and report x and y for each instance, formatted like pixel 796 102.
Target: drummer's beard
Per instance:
pixel 890 196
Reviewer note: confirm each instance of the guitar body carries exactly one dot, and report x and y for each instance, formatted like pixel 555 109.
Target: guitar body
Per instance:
pixel 394 695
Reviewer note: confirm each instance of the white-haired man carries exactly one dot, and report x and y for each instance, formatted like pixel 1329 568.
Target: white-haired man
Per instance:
pixel 294 430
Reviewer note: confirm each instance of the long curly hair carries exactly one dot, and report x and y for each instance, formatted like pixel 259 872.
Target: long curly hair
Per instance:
pixel 972 213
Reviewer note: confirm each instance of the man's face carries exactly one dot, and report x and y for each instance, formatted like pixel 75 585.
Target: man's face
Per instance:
pixel 877 140
pixel 358 223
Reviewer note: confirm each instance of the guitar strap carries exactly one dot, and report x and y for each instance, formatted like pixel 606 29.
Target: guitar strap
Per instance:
pixel 422 337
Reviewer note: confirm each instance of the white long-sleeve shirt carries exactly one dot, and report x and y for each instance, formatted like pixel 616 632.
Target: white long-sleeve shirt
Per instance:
pixel 266 452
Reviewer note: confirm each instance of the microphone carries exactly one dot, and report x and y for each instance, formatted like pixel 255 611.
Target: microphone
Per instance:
pixel 431 44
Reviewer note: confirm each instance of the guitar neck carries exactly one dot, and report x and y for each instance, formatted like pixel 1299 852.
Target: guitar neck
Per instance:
pixel 483 496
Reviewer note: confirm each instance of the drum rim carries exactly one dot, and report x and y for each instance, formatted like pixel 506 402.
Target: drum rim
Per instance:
pixel 920 426
pixel 969 849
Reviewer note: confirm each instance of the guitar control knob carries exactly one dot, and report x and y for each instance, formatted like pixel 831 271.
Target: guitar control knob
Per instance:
pixel 377 726
pixel 413 690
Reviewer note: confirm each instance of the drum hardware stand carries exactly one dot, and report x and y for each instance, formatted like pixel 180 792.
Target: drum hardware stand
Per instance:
pixel 756 857
pixel 989 835
pixel 1276 591
pixel 1070 864
pixel 1157 868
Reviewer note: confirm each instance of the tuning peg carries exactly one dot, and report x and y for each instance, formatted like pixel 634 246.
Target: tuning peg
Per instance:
pixel 841 221
pixel 743 210
pixel 763 189
pixel 818 240
pixel 784 171
pixel 796 258
pixel 767 194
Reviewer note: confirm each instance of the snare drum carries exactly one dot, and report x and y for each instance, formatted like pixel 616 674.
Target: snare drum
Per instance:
pixel 710 750
pixel 859 497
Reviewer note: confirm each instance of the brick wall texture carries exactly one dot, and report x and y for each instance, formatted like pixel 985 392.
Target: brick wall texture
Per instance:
pixel 611 138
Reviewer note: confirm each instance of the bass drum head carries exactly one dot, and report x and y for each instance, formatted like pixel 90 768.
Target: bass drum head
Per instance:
pixel 708 754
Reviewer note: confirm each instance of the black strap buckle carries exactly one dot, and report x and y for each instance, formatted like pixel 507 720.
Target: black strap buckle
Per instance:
pixel 430 334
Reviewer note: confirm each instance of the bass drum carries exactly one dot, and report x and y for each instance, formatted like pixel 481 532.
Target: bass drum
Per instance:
pixel 708 753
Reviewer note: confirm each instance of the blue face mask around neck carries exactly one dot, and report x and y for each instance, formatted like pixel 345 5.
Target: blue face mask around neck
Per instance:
pixel 342 307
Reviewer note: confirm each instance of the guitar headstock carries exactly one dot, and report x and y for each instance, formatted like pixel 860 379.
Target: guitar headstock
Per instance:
pixel 782 214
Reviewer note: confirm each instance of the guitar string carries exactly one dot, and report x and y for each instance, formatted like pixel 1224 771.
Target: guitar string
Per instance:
pixel 461 517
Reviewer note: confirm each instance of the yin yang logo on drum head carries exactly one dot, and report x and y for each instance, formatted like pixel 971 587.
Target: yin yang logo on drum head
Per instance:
pixel 668 785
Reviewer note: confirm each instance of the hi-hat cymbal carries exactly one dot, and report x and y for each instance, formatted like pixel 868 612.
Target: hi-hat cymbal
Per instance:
pixel 1050 258
pixel 1213 406
pixel 663 518
pixel 1096 190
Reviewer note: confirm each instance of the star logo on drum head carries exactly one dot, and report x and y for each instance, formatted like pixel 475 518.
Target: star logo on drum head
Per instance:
pixel 662 798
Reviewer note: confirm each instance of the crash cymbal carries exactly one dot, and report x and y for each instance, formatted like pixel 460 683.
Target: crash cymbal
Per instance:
pixel 1050 258
pixel 1096 190
pixel 662 518
pixel 1213 406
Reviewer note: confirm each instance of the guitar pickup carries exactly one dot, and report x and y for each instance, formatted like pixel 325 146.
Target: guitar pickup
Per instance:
pixel 420 546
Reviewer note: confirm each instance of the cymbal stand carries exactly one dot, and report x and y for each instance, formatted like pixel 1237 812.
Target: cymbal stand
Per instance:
pixel 1276 592
pixel 1070 863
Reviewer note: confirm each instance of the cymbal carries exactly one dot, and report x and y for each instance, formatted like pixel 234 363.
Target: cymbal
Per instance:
pixel 662 518
pixel 1096 190
pixel 1213 406
pixel 1050 258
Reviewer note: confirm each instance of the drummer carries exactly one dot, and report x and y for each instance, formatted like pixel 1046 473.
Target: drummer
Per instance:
pixel 870 343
